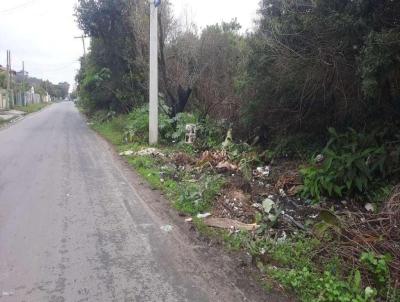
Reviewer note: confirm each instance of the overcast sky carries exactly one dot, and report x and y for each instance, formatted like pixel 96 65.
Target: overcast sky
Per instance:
pixel 41 32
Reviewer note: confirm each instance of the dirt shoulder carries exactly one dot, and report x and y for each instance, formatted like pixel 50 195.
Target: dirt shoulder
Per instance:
pixel 238 265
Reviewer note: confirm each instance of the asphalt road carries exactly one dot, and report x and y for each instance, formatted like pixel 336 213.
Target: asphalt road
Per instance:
pixel 77 225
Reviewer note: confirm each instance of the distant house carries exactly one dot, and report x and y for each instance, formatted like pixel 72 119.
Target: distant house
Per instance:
pixel 4 69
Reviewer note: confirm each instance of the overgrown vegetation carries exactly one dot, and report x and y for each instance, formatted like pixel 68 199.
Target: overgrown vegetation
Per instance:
pixel 354 165
pixel 315 79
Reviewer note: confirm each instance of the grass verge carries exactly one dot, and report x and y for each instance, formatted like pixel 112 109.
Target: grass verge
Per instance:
pixel 298 262
pixel 31 107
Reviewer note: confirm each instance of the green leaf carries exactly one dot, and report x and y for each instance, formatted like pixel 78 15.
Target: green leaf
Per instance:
pixel 357 281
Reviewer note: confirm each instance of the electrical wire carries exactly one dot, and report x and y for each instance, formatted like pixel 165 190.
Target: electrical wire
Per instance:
pixel 12 9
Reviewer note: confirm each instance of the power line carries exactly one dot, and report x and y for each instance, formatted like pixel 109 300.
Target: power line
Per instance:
pixel 12 9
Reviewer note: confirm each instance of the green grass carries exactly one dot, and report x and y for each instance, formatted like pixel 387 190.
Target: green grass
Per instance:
pixel 188 195
pixel 289 261
pixel 31 107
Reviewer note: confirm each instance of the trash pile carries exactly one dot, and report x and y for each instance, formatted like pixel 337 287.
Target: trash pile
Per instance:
pixel 144 152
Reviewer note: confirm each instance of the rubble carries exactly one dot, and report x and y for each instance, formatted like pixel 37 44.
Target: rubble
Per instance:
pixel 127 153
pixel 150 152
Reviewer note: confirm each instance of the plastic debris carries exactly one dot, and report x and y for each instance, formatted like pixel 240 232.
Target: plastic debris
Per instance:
pixel 150 151
pixel 268 204
pixel 190 219
pixel 127 153
pixel 262 171
pixel 319 159
pixel 282 193
pixel 166 228
pixel 370 207
pixel 205 215
pixel 229 224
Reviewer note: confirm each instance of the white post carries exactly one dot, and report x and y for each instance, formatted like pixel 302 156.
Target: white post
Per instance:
pixel 153 93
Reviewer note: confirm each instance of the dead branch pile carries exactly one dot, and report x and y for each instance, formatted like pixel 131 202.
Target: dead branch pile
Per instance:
pixel 377 233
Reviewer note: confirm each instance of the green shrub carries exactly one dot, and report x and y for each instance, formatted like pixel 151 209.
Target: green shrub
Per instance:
pixel 312 286
pixel 378 266
pixel 174 130
pixel 137 125
pixel 197 197
pixel 210 134
pixel 355 164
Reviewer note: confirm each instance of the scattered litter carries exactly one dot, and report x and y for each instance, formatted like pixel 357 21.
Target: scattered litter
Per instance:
pixel 282 193
pixel 370 207
pixel 262 171
pixel 190 136
pixel 226 166
pixel 127 153
pixel 205 215
pixel 150 151
pixel 282 238
pixel 268 204
pixel 190 219
pixel 319 159
pixel 258 206
pixel 166 228
pixel 212 159
pixel 226 223
pixel 228 140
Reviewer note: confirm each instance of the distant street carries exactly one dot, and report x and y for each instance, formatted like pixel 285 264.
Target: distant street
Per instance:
pixel 74 228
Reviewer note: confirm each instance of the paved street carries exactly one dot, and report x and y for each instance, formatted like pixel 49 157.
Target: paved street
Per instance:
pixel 77 225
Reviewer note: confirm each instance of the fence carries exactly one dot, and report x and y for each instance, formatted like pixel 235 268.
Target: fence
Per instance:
pixel 21 99
pixel 3 99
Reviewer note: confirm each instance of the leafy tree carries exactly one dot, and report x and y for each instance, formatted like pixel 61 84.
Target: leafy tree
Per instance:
pixel 315 64
pixel 116 49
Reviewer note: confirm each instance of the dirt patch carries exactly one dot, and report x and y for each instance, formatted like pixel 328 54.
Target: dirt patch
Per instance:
pixel 234 203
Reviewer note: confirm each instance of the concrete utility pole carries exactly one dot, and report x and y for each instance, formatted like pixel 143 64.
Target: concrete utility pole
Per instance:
pixel 23 84
pixel 153 93
pixel 8 105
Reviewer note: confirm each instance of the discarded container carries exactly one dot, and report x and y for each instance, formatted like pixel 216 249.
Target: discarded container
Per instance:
pixel 191 132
